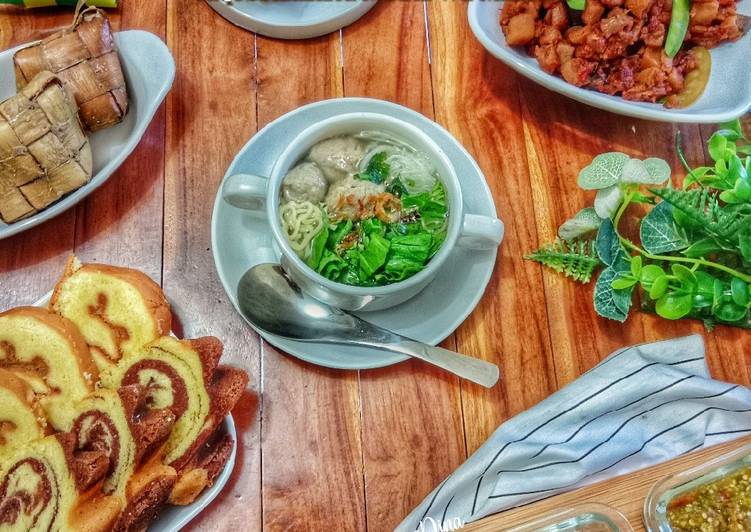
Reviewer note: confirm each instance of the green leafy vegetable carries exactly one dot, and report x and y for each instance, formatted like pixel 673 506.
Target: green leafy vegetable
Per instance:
pixel 397 188
pixel 374 254
pixel 371 252
pixel 317 247
pixel 338 233
pixel 378 169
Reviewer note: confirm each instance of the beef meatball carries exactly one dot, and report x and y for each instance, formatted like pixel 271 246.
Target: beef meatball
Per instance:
pixel 337 157
pixel 305 182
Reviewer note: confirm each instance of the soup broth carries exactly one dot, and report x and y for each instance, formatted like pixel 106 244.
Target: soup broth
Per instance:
pixel 365 210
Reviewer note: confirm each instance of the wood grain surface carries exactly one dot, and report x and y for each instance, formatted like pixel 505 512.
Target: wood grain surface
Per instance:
pixel 322 449
pixel 625 493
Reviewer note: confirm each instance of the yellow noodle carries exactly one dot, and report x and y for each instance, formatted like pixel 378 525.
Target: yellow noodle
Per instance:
pixel 301 222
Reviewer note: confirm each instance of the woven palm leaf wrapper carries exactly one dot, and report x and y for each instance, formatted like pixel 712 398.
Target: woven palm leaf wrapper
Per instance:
pixel 85 58
pixel 44 152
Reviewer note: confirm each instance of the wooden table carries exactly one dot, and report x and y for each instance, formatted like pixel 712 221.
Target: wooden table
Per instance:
pixel 323 449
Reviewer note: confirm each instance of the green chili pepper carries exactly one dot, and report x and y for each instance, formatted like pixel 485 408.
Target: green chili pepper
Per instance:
pixel 678 26
pixel 577 4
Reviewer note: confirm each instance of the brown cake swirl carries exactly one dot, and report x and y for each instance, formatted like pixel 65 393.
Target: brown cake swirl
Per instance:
pixel 21 417
pixel 185 376
pixel 43 482
pixel 49 353
pixel 118 425
pixel 118 310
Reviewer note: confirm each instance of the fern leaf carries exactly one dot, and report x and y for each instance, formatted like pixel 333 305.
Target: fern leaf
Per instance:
pixel 576 259
pixel 703 209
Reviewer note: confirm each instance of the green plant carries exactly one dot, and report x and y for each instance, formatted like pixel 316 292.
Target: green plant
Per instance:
pixel 576 259
pixel 693 257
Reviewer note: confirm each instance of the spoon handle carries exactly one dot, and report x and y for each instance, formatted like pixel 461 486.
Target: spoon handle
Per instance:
pixel 470 368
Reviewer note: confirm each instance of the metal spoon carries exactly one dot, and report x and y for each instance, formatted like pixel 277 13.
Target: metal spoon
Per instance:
pixel 275 304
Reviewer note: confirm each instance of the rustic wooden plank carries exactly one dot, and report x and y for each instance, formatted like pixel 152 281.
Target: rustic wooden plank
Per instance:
pixel 210 114
pixel 128 207
pixel 312 451
pixel 31 262
pixel 388 60
pixel 476 98
pixel 625 493
pixel 562 137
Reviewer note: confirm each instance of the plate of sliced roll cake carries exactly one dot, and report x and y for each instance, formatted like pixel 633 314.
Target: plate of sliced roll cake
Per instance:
pixel 73 106
pixel 107 420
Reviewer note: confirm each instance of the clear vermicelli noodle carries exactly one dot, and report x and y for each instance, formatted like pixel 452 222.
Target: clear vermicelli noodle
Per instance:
pixel 366 209
pixel 301 222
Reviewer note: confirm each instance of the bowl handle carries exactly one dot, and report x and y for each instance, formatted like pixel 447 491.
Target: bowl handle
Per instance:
pixel 245 191
pixel 480 232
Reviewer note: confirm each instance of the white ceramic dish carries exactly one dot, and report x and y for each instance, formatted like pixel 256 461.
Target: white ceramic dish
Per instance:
pixel 727 96
pixel 238 238
pixel 174 518
pixel 262 195
pixel 292 19
pixel 149 71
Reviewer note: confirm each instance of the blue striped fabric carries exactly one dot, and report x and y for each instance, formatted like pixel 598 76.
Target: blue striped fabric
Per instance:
pixel 640 406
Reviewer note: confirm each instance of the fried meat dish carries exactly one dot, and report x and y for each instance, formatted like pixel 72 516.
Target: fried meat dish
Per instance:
pixel 618 46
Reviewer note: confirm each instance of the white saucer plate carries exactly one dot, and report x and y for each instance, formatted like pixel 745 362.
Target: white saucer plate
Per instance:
pixel 238 235
pixel 291 19
pixel 149 70
pixel 726 97
pixel 174 518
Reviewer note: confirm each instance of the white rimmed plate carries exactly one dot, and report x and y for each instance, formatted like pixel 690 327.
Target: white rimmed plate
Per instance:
pixel 291 19
pixel 173 518
pixel 237 235
pixel 727 96
pixel 149 70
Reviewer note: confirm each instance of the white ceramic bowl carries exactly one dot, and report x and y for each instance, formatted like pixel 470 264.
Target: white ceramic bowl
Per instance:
pixel 291 19
pixel 727 96
pixel 262 194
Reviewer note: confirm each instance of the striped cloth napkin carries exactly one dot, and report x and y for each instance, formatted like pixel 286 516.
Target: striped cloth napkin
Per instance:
pixel 640 406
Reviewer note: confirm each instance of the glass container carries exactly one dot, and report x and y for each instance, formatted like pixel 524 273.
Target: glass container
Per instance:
pixel 677 484
pixel 587 517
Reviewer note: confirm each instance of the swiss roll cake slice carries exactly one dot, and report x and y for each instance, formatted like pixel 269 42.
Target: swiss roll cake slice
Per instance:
pixel 118 310
pixel 21 418
pixel 183 375
pixel 118 424
pixel 49 353
pixel 203 469
pixel 42 484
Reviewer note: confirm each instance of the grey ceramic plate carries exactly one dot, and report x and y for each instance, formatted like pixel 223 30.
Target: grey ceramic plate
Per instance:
pixel 174 518
pixel 291 19
pixel 149 71
pixel 432 315
pixel 727 96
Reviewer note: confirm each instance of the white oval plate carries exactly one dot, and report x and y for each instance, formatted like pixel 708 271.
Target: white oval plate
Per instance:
pixel 237 235
pixel 291 19
pixel 173 518
pixel 727 96
pixel 149 70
